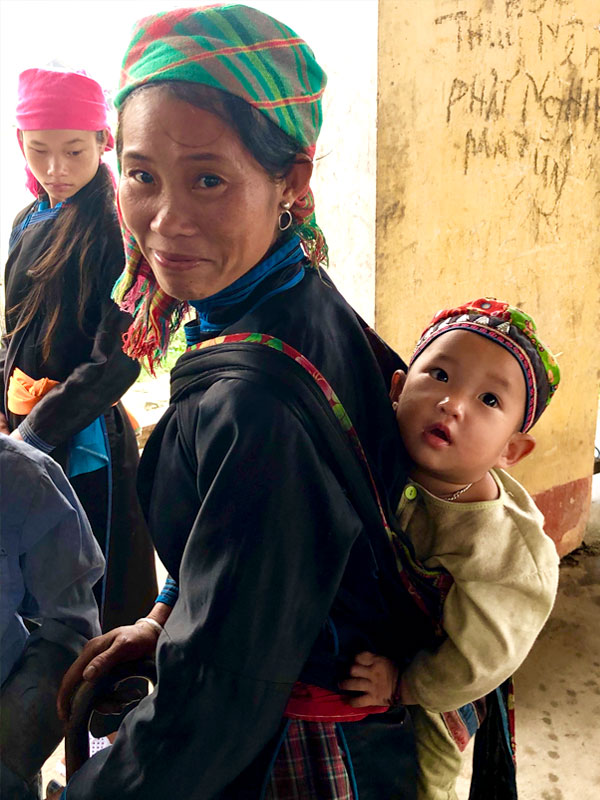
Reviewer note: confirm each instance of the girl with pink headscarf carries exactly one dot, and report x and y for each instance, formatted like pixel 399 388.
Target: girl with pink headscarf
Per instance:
pixel 62 368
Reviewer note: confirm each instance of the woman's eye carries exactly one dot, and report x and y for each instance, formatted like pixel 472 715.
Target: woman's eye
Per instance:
pixel 439 374
pixel 490 400
pixel 209 181
pixel 141 176
pixel 75 152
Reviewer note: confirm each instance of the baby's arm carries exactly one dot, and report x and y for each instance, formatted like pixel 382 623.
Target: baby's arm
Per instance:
pixel 491 623
pixel 378 680
pixel 490 629
pixel 505 572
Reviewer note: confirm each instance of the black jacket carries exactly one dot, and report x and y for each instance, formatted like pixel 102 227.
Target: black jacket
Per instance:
pixel 253 521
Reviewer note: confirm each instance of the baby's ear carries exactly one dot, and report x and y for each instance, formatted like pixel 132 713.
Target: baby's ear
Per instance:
pixel 398 381
pixel 518 446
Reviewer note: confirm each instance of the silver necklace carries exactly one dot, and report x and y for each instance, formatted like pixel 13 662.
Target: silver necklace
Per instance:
pixel 455 495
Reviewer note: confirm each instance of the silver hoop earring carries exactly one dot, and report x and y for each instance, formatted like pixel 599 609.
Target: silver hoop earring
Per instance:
pixel 285 218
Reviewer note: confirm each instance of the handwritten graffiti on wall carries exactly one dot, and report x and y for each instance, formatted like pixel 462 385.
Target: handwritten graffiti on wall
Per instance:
pixel 577 100
pixel 534 98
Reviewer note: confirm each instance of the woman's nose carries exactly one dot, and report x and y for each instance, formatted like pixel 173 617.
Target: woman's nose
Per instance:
pixel 56 166
pixel 172 218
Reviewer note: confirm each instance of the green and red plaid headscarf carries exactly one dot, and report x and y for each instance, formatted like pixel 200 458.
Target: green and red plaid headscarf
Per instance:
pixel 515 331
pixel 235 49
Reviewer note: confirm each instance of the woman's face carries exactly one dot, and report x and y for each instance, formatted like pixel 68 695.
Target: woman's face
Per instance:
pixel 201 208
pixel 62 161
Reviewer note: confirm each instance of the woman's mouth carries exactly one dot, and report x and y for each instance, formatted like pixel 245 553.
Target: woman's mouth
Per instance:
pixel 437 436
pixel 176 261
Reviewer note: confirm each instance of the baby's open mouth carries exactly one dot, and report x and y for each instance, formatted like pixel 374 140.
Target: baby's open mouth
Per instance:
pixel 441 433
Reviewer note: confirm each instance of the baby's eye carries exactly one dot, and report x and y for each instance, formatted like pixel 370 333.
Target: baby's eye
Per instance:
pixel 209 181
pixel 439 374
pixel 490 400
pixel 141 176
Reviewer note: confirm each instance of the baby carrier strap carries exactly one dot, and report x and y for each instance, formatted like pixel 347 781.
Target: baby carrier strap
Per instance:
pixel 285 372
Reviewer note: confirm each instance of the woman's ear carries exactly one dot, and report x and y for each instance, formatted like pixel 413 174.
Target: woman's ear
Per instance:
pixel 297 180
pixel 518 446
pixel 398 381
pixel 102 144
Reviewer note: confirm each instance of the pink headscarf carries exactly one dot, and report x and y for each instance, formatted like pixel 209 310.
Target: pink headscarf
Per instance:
pixel 50 100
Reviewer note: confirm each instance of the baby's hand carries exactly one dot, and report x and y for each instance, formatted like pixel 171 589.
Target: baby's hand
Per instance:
pixel 375 676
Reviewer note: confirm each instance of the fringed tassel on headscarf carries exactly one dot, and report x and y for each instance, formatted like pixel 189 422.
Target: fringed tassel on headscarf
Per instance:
pixel 315 244
pixel 156 315
pixel 303 212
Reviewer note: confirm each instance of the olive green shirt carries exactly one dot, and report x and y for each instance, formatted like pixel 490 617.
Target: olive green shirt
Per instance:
pixel 505 571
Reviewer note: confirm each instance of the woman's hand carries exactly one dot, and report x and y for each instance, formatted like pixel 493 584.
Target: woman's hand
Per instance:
pixel 4 425
pixel 376 677
pixel 16 435
pixel 101 654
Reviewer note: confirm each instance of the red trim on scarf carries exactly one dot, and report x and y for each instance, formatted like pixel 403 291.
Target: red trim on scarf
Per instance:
pixel 287 101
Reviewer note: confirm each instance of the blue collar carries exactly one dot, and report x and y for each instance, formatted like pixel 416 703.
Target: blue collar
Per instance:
pixel 240 290
pixel 44 205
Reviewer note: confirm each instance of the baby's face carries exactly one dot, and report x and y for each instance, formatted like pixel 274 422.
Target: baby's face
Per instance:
pixel 462 402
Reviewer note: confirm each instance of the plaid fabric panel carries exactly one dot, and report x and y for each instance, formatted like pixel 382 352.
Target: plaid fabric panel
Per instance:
pixel 463 723
pixel 310 764
pixel 237 49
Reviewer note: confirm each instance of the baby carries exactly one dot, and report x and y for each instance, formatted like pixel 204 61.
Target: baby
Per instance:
pixel 477 382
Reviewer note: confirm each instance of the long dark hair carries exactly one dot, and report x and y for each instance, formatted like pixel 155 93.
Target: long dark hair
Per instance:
pixel 74 234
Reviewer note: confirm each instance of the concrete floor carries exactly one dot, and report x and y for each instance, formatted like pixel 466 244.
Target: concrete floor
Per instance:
pixel 558 693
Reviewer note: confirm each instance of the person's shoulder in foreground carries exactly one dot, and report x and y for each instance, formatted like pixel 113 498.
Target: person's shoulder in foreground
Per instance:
pixel 48 550
pixel 22 468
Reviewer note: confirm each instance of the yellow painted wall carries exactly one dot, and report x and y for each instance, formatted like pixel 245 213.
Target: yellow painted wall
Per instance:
pixel 488 183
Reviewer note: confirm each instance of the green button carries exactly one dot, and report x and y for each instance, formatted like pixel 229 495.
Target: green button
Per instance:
pixel 410 492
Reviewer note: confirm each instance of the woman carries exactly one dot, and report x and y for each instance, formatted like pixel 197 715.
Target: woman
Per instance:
pixel 62 368
pixel 279 576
